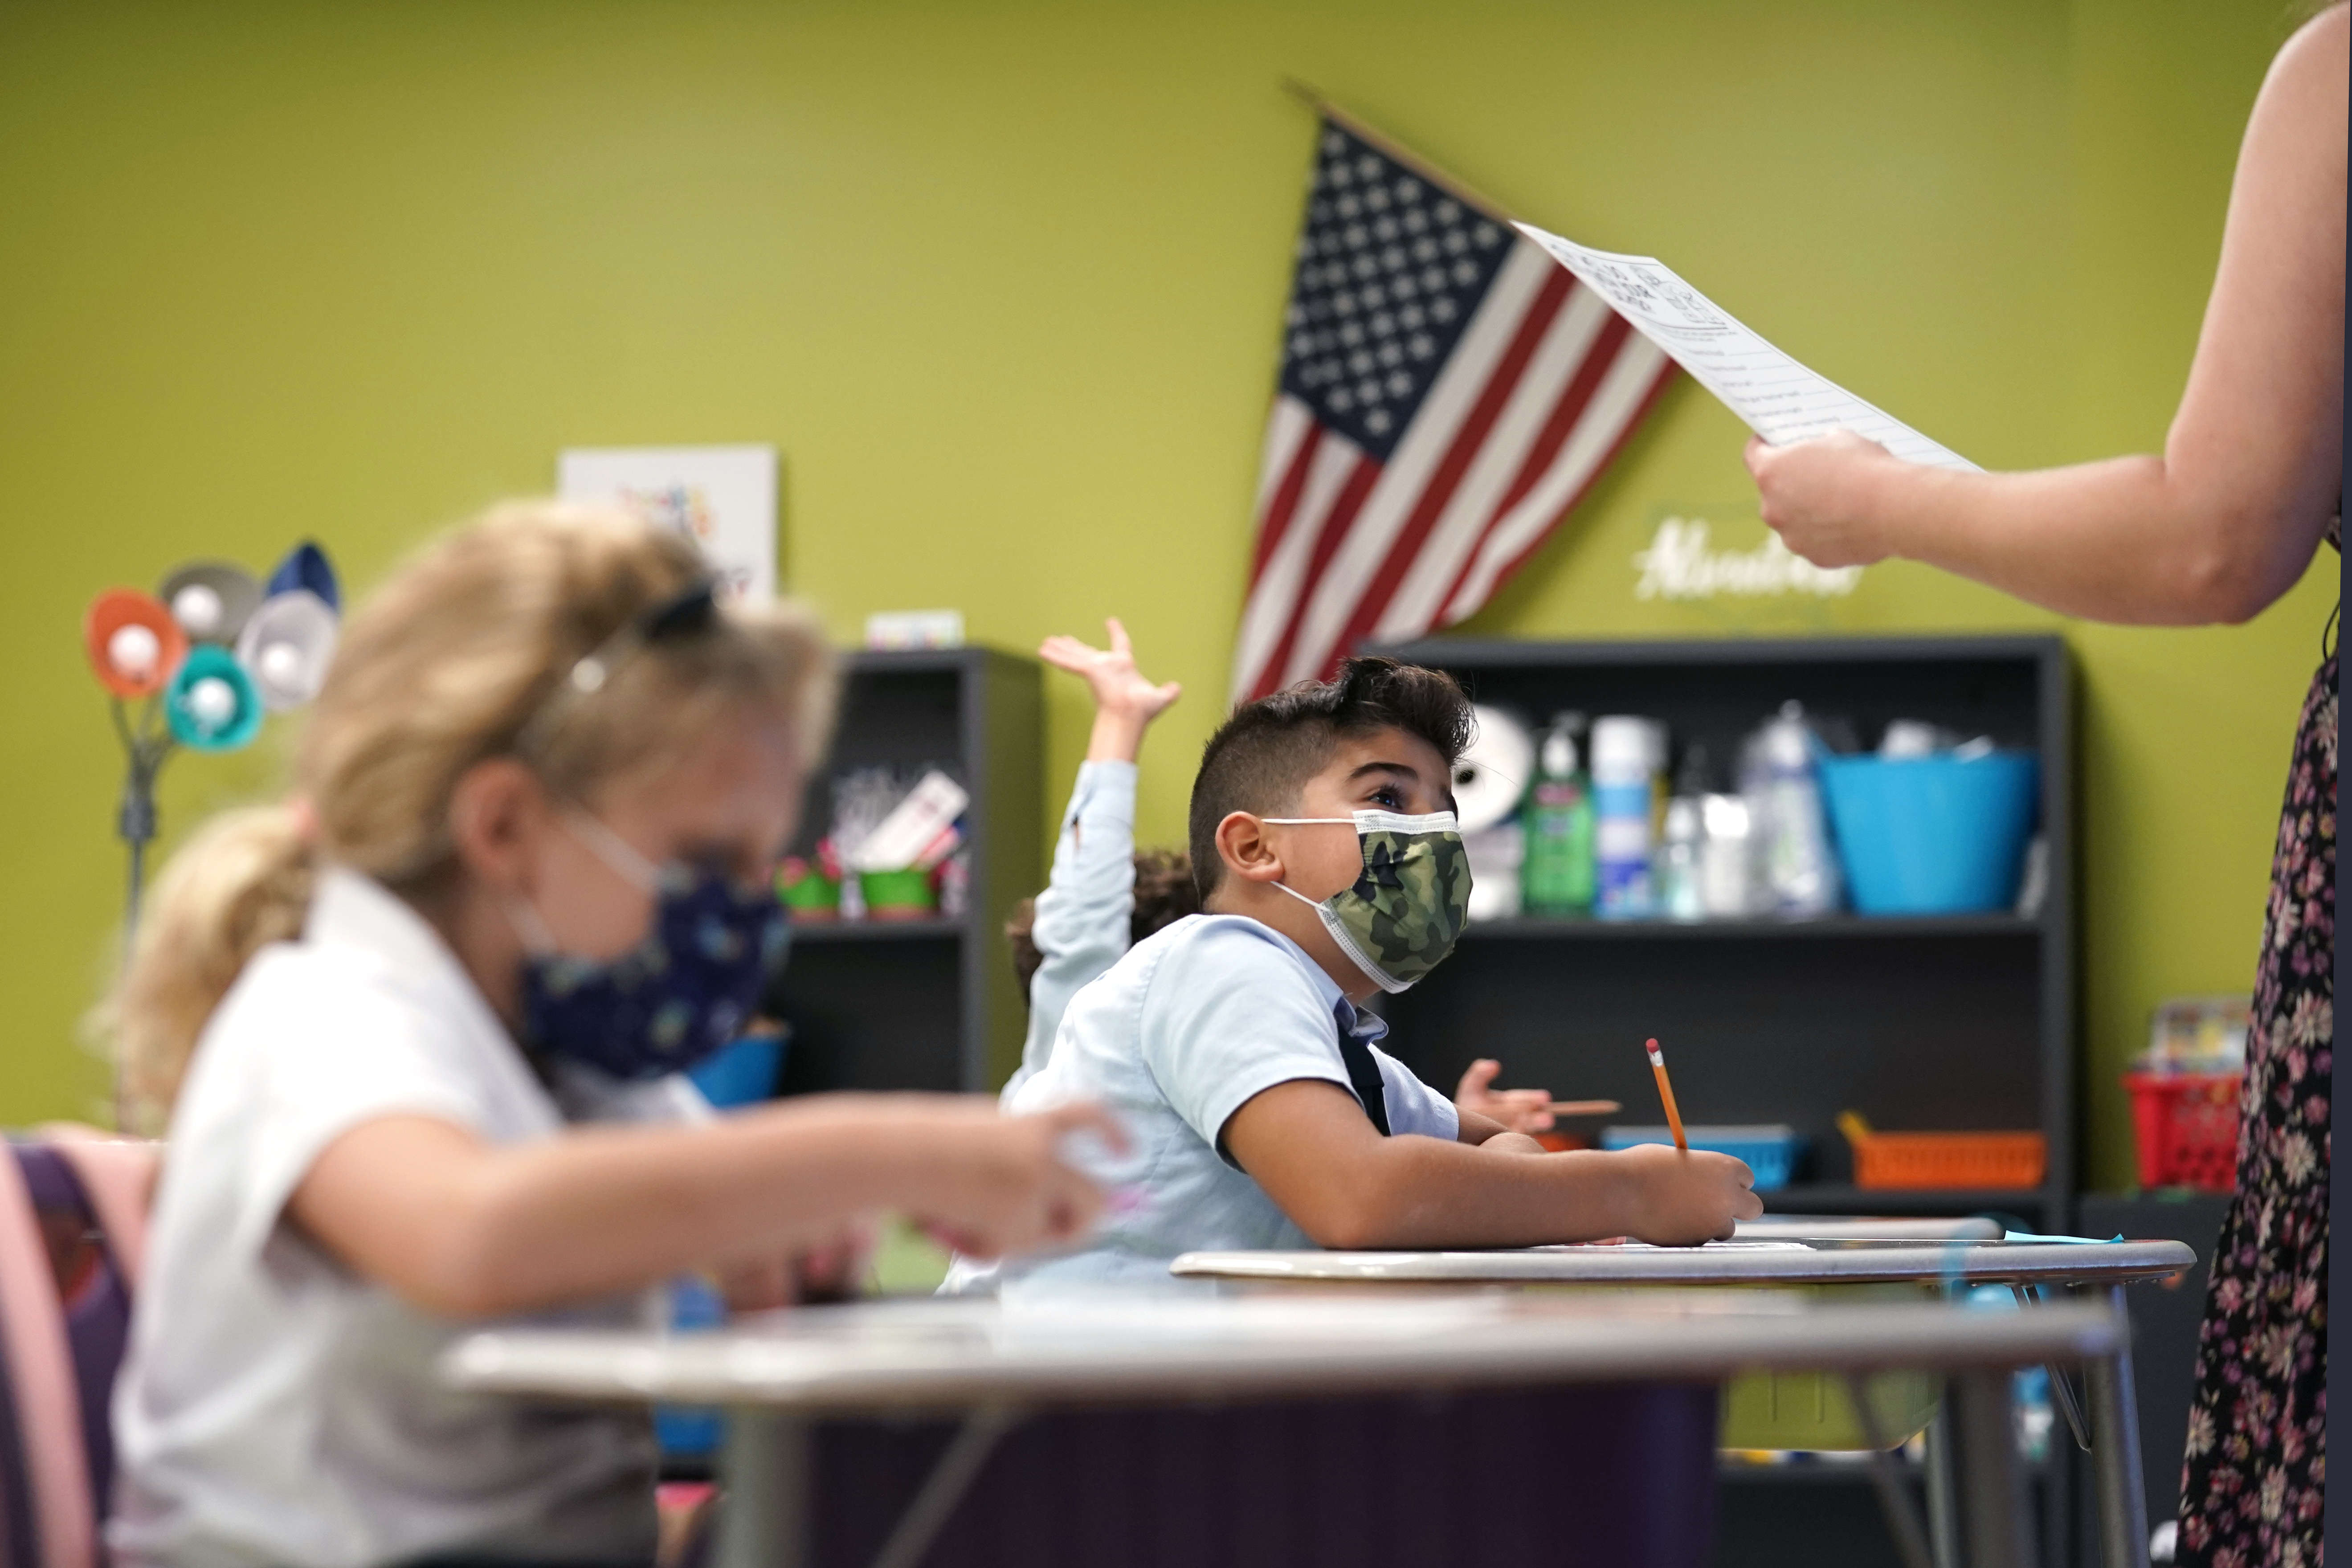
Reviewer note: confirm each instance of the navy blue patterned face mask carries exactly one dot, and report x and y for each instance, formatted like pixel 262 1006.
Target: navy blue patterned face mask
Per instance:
pixel 685 990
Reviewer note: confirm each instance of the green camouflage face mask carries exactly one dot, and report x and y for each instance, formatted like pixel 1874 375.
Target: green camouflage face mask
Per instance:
pixel 1406 911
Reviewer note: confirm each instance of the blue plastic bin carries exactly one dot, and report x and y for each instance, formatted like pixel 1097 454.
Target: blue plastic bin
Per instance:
pixel 691 1431
pixel 739 1073
pixel 1770 1150
pixel 1932 836
pixel 742 1072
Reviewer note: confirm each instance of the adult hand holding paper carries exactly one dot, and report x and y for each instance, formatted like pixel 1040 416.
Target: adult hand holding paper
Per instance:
pixel 1778 398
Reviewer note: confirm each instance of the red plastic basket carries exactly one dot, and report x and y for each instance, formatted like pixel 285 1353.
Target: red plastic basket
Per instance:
pixel 2188 1127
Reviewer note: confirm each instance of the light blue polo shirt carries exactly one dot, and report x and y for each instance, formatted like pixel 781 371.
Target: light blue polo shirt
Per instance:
pixel 1085 916
pixel 1177 1036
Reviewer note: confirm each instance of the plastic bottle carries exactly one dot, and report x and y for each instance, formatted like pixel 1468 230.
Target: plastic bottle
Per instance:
pixel 1796 874
pixel 1726 856
pixel 1682 845
pixel 1556 878
pixel 1680 896
pixel 1624 806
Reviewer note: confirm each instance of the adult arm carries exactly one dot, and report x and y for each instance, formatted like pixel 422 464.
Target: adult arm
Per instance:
pixel 1308 1143
pixel 456 1226
pixel 2227 518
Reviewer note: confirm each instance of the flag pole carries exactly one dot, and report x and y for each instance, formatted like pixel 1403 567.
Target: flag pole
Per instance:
pixel 1312 97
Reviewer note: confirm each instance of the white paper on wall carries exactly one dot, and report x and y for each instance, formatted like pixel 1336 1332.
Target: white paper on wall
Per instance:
pixel 722 498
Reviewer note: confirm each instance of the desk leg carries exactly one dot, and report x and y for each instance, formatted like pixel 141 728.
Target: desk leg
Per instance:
pixel 763 1520
pixel 1943 1517
pixel 1992 1486
pixel 2115 1453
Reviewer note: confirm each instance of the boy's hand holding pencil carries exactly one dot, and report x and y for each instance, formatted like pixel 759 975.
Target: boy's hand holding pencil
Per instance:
pixel 1682 1197
pixel 1689 1198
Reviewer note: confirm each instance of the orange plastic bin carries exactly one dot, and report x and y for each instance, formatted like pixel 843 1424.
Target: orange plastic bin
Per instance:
pixel 1888 1159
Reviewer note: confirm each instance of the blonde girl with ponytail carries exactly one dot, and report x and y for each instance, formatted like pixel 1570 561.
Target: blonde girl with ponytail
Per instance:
pixel 412 1037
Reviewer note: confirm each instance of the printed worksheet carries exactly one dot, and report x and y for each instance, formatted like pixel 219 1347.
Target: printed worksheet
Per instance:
pixel 1778 398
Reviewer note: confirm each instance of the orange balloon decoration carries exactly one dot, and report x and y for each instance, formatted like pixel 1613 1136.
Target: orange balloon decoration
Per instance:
pixel 132 642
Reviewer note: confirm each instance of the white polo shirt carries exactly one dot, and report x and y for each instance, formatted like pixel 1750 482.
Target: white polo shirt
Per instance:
pixel 276 1408
pixel 1193 1022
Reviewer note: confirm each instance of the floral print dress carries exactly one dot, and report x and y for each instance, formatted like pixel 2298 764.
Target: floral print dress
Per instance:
pixel 2257 1461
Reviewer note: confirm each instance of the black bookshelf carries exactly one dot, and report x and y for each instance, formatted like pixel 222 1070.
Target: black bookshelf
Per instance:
pixel 925 1004
pixel 1931 1022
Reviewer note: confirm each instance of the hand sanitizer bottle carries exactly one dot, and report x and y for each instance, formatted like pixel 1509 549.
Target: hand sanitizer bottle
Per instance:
pixel 1556 879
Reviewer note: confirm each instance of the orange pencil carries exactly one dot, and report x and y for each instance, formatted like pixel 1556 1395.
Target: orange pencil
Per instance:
pixel 1666 1093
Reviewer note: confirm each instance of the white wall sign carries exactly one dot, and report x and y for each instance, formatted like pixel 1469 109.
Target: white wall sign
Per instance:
pixel 1680 564
pixel 722 498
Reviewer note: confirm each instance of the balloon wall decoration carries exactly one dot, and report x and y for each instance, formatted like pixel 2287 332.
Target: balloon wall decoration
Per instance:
pixel 212 704
pixel 285 646
pixel 132 642
pixel 208 655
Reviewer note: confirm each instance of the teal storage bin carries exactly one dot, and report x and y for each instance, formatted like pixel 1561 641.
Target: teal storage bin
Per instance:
pixel 1769 1149
pixel 1932 836
pixel 742 1072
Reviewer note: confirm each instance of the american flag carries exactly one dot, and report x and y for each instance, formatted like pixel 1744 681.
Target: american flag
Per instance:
pixel 1448 392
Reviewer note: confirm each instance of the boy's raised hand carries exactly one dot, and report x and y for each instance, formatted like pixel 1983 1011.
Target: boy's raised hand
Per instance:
pixel 1682 1199
pixel 1126 702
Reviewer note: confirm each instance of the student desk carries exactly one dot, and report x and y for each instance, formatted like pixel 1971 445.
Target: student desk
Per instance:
pixel 1800 1227
pixel 989 1361
pixel 2111 1433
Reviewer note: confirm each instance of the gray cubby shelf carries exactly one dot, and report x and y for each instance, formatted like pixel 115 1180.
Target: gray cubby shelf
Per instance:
pixel 1937 1023
pixel 804 932
pixel 930 1003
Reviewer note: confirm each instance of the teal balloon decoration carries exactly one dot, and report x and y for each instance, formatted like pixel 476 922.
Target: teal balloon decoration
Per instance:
pixel 212 704
pixel 306 566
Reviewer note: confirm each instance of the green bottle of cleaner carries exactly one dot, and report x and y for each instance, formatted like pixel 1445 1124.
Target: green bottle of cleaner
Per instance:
pixel 1557 878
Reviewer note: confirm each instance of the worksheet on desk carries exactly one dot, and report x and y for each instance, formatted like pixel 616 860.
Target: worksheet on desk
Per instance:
pixel 1774 395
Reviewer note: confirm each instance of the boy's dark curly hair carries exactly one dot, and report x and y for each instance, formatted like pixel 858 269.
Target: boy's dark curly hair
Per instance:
pixel 1163 895
pixel 1263 755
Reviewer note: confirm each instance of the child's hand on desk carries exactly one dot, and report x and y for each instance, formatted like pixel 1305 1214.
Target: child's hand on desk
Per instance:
pixel 1004 1184
pixel 1519 1110
pixel 1682 1199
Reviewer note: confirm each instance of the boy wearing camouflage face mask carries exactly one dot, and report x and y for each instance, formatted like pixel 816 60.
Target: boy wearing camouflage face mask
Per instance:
pixel 1233 1046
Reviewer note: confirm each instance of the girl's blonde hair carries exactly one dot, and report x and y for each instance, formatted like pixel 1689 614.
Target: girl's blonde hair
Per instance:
pixel 440 669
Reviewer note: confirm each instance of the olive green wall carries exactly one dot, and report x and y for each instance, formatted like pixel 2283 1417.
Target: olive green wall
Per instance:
pixel 1003 281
